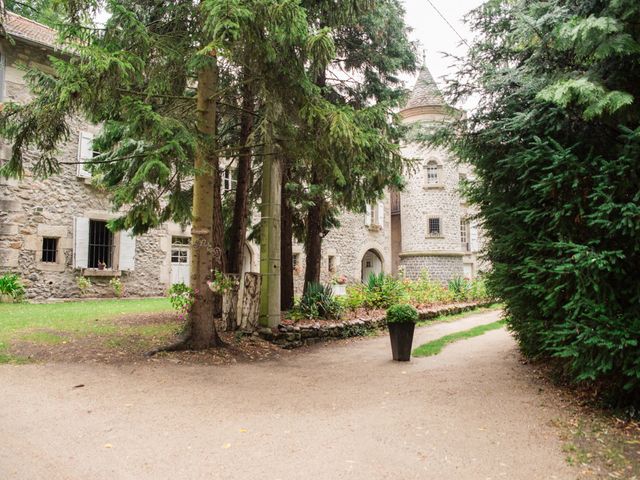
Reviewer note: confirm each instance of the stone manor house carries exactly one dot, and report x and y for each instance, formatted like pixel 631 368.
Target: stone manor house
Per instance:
pixel 53 231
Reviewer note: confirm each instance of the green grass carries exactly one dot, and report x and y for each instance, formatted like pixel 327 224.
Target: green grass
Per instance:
pixel 456 316
pixel 435 347
pixel 53 323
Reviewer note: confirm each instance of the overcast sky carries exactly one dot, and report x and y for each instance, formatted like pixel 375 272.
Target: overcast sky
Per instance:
pixel 434 35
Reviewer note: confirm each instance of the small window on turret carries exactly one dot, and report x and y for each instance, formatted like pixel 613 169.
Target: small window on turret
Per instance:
pixel 433 173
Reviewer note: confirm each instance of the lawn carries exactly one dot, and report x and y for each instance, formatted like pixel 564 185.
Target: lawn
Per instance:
pixel 435 347
pixel 62 323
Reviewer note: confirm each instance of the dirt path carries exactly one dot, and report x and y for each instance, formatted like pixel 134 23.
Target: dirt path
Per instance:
pixel 339 411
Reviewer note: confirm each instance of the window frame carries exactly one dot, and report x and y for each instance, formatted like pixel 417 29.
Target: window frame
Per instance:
pixel 181 245
pixel 433 174
pixel 439 233
pixel 108 242
pixel 55 251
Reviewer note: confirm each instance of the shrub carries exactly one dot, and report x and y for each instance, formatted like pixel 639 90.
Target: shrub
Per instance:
pixel 556 152
pixel 84 284
pixel 116 286
pixel 460 288
pixel 478 290
pixel 402 313
pixel 425 291
pixel 11 285
pixel 318 302
pixel 181 298
pixel 355 297
pixel 382 291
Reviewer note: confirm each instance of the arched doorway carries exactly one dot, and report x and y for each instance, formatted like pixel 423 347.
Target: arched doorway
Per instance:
pixel 371 264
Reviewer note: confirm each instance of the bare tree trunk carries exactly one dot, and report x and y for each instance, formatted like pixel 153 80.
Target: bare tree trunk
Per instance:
pixel 241 205
pixel 286 245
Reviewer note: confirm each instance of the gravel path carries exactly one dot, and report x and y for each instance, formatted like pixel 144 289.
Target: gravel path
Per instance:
pixel 331 412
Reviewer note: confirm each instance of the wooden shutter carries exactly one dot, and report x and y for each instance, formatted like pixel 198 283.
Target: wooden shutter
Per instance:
pixel 81 242
pixel 85 153
pixel 367 216
pixel 381 214
pixel 473 237
pixel 127 257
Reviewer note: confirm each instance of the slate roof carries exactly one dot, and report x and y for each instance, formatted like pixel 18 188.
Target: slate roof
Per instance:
pixel 425 92
pixel 19 27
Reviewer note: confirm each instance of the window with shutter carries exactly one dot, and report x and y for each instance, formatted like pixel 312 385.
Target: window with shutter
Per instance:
pixel 81 242
pixel 367 216
pixel 380 214
pixel 127 257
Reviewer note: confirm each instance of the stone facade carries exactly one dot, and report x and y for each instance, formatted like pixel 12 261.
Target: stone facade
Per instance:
pixel 32 210
pixel 437 234
pixel 385 238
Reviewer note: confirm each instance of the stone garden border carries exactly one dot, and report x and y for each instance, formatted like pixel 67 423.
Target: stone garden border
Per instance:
pixel 291 336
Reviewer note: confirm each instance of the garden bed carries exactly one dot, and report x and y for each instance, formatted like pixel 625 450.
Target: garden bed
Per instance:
pixel 293 334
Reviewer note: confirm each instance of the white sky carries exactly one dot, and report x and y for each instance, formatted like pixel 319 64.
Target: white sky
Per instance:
pixel 435 36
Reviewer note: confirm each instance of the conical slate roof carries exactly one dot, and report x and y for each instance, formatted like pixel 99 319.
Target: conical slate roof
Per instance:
pixel 425 92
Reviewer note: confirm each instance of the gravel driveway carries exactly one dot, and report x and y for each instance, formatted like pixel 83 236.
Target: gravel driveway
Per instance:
pixel 331 412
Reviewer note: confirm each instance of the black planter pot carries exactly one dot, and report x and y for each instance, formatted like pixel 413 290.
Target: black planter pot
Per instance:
pixel 401 335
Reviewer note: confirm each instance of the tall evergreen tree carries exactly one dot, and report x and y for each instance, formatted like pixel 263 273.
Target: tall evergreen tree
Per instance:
pixel 555 141
pixel 372 49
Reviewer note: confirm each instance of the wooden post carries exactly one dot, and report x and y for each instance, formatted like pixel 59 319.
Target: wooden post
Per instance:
pixel 270 240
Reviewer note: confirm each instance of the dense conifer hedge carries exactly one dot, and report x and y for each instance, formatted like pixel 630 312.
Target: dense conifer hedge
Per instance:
pixel 556 145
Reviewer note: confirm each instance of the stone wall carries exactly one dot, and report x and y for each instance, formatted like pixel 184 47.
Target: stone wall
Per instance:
pixel 439 268
pixel 348 244
pixel 290 335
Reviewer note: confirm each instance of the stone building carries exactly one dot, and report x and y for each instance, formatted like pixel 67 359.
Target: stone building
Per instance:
pixel 432 226
pixel 53 231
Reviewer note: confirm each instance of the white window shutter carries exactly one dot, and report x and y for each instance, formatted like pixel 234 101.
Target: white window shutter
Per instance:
pixel 381 214
pixel 473 237
pixel 81 242
pixel 367 216
pixel 127 258
pixel 85 153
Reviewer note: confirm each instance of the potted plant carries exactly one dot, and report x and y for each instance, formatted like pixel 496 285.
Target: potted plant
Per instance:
pixel 401 319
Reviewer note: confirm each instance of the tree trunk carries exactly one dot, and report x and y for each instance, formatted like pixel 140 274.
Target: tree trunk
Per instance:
pixel 313 242
pixel 286 246
pixel 241 205
pixel 206 252
pixel 270 237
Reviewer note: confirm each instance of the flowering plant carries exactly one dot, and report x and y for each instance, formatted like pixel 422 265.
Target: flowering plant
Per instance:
pixel 181 297
pixel 222 283
pixel 339 279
